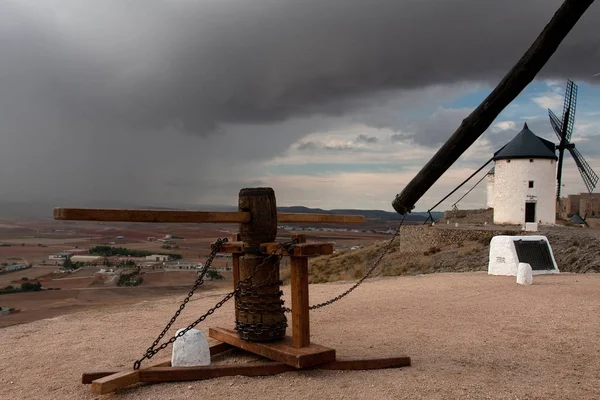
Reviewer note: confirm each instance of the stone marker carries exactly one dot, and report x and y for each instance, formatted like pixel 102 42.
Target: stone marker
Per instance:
pixel 524 274
pixel 190 350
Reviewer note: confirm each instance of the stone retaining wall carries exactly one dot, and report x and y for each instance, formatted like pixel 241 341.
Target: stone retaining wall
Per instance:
pixel 424 237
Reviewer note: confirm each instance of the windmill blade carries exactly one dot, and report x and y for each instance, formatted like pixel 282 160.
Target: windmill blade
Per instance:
pixel 555 122
pixel 569 108
pixel 589 176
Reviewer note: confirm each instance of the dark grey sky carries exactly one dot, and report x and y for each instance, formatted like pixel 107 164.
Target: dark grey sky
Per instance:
pixel 113 99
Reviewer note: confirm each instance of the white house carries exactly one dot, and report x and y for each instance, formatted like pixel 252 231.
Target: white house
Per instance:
pixel 522 184
pixel 158 257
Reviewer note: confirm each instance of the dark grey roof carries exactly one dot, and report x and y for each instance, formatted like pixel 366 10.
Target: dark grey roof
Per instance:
pixel 576 219
pixel 526 145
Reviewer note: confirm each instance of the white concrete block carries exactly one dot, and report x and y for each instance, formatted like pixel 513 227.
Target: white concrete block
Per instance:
pixel 503 259
pixel 456 224
pixel 190 350
pixel 531 227
pixel 524 274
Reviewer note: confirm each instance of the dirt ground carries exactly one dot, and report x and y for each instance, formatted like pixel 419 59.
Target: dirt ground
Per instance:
pixel 470 335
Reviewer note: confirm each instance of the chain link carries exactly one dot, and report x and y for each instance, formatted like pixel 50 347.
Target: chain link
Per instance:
pixel 361 280
pixel 151 351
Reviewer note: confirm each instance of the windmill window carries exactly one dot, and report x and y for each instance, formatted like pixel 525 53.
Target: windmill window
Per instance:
pixel 531 160
pixel 530 184
pixel 507 161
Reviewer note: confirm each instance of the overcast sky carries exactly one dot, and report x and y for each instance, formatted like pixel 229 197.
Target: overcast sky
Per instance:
pixel 334 104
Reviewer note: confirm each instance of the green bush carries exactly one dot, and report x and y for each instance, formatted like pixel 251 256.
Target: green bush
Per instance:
pixel 130 279
pixel 31 287
pixel 109 251
pixel 214 274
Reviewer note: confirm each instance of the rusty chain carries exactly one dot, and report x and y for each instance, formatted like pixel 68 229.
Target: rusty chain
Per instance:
pixel 361 280
pixel 151 351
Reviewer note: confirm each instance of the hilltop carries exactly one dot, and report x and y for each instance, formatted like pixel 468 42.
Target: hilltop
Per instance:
pixel 442 248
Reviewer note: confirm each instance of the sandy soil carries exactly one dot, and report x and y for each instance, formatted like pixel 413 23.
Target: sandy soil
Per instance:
pixel 469 335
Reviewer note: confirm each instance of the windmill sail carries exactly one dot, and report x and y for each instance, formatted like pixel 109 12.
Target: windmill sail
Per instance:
pixel 569 109
pixel 589 176
pixel 555 122
pixel 564 130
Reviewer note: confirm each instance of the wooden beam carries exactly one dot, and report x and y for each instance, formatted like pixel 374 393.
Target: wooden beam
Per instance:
pixel 482 117
pixel 300 249
pixel 316 218
pixel 186 216
pixel 163 372
pixel 116 381
pixel 366 363
pixel 173 374
pixel 235 269
pixel 281 350
pixel 232 247
pixel 218 348
pixel 299 287
pixel 173 216
pixel 89 377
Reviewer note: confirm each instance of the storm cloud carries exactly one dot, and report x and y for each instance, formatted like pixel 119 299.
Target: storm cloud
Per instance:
pixel 196 65
pixel 145 97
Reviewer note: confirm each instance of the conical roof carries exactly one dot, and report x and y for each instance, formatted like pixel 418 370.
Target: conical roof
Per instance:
pixel 576 219
pixel 527 145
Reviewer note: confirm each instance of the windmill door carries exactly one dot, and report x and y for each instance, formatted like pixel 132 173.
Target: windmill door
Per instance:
pixel 529 212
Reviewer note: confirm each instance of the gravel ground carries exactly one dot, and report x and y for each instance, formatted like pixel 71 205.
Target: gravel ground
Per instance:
pixel 470 335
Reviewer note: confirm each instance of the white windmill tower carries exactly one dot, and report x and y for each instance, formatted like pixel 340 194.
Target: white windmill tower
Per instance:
pixel 522 184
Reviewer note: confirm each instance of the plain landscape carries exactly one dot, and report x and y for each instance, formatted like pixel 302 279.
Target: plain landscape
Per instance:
pixel 430 298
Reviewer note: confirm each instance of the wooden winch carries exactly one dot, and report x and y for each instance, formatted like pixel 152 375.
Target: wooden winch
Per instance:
pixel 260 321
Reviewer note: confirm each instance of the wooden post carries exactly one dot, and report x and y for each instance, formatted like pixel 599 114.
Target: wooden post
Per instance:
pixel 235 269
pixel 299 286
pixel 260 316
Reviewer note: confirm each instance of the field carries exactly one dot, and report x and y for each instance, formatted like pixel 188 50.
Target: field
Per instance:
pixel 31 242
pixel 469 335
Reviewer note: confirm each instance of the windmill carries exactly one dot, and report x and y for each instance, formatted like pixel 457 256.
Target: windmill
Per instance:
pixel 564 129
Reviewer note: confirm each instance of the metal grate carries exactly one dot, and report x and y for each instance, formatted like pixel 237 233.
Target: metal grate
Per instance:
pixel 535 253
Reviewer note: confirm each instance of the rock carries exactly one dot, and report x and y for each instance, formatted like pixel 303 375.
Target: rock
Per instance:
pixel 190 350
pixel 524 274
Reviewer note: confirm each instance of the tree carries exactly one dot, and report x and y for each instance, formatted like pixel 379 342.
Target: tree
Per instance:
pixel 213 274
pixel 68 264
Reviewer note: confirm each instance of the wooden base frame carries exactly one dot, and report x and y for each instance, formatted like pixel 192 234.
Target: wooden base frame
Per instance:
pixel 312 357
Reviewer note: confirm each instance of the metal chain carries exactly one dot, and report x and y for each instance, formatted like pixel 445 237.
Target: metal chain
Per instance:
pixel 247 304
pixel 151 351
pixel 361 280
